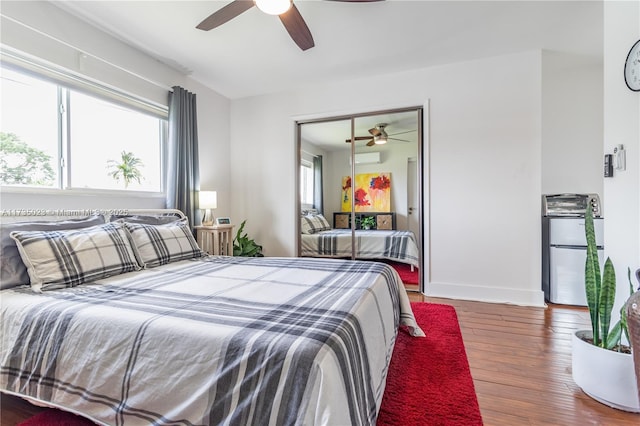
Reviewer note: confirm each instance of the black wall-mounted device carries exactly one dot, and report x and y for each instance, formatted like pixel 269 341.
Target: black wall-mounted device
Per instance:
pixel 608 165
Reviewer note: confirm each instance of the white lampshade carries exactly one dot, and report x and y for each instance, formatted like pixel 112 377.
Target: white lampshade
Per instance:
pixel 208 200
pixel 273 7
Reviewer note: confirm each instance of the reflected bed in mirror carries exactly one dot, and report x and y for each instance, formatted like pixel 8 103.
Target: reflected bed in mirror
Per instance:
pixel 399 246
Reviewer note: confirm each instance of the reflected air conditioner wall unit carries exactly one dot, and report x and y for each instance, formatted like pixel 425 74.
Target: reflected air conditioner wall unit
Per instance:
pixel 367 158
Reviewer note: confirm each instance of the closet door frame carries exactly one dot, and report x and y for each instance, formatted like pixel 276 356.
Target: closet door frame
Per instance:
pixel 419 110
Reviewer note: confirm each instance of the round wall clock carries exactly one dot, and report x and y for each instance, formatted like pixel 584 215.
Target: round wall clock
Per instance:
pixel 632 68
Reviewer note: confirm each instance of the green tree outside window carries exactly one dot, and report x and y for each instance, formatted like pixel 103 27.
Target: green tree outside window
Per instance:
pixel 21 164
pixel 127 168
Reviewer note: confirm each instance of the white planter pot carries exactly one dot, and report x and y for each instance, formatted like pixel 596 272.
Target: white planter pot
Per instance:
pixel 604 375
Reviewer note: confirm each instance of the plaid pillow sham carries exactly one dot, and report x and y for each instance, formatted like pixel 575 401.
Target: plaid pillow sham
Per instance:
pixel 12 270
pixel 161 244
pixel 60 259
pixel 311 224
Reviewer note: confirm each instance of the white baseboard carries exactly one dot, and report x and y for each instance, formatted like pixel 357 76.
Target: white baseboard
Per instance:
pixel 486 294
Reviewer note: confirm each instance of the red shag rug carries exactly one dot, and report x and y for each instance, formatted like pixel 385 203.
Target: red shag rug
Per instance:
pixel 406 274
pixel 52 417
pixel 429 382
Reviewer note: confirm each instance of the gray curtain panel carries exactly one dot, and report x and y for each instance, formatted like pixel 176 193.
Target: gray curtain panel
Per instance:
pixel 183 174
pixel 318 203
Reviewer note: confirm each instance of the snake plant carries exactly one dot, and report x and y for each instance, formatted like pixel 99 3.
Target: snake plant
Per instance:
pixel 601 293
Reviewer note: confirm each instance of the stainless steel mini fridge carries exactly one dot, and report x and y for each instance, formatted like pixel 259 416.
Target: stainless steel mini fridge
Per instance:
pixel 565 249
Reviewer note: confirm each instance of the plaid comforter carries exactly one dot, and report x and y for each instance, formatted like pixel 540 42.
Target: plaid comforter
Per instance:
pixel 399 246
pixel 238 341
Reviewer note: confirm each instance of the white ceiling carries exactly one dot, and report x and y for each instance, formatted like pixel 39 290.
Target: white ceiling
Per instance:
pixel 252 54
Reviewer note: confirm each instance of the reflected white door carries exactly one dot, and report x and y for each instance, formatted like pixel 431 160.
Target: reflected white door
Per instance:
pixel 413 214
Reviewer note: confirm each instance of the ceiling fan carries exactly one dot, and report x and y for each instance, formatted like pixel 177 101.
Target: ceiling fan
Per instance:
pixel 379 136
pixel 287 11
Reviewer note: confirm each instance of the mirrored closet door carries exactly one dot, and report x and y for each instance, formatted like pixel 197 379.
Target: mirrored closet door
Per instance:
pixel 359 189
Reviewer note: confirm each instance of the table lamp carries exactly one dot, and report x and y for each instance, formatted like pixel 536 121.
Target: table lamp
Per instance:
pixel 208 200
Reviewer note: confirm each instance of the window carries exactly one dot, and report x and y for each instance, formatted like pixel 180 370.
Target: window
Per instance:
pixel 306 183
pixel 29 148
pixel 56 137
pixel 121 143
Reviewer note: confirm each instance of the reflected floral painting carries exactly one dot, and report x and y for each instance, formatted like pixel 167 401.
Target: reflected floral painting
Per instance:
pixel 372 192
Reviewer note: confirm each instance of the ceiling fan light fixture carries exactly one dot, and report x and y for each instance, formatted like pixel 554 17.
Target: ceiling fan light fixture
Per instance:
pixel 380 140
pixel 273 7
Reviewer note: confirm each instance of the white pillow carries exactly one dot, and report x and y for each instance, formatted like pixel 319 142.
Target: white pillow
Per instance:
pixel 59 259
pixel 161 244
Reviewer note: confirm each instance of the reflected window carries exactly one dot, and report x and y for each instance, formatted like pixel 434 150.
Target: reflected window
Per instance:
pixel 306 183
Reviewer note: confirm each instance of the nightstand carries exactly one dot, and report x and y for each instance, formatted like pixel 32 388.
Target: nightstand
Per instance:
pixel 384 221
pixel 341 220
pixel 215 239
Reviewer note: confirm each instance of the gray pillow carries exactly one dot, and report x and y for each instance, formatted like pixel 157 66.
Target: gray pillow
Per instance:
pixel 145 219
pixel 13 272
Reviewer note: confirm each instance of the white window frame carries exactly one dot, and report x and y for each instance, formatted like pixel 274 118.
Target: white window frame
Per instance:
pixel 67 82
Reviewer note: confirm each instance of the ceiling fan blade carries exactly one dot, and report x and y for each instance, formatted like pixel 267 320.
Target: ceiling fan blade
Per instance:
pixel 359 138
pixel 375 131
pixel 225 14
pixel 297 28
pixel 372 142
pixel 401 140
pixel 401 133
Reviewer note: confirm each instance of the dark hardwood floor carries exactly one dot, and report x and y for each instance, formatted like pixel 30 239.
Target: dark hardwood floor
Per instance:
pixel 520 360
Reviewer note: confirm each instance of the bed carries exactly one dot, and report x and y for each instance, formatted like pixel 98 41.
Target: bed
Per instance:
pixel 198 339
pixel 398 246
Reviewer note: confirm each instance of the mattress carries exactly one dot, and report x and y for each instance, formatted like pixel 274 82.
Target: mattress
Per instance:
pixel 218 340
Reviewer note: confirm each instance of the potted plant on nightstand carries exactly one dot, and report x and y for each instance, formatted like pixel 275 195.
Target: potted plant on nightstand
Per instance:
pixel 367 222
pixel 602 366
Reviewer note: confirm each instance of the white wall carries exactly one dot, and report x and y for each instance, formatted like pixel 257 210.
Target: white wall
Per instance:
pixel 621 126
pixel 484 151
pixel 42 30
pixel 572 124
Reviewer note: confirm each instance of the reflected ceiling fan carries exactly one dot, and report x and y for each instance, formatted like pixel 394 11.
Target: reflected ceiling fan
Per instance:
pixel 379 136
pixel 285 9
